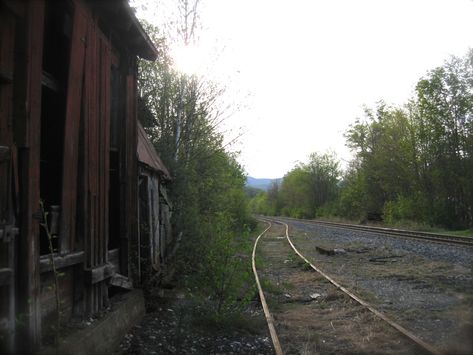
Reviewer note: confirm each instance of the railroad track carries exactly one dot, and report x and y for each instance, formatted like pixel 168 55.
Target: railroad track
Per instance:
pixel 400 233
pixel 424 346
pixel 267 313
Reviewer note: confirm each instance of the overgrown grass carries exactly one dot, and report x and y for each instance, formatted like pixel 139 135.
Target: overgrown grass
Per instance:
pixel 237 321
pixel 421 227
pixel 215 274
pixel 461 233
pixel 271 287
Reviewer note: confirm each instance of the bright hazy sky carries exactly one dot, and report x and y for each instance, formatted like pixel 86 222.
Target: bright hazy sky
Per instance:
pixel 301 70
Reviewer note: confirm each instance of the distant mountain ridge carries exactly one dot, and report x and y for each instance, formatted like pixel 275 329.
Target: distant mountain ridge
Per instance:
pixel 262 184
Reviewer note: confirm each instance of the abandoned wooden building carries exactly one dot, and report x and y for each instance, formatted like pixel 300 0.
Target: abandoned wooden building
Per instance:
pixel 154 208
pixel 69 137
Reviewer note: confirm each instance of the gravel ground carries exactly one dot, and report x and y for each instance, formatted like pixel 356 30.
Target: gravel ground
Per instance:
pixel 427 287
pixel 173 328
pixel 459 255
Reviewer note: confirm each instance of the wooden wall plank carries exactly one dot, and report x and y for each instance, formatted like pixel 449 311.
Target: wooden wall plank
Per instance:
pixel 88 207
pixel 93 144
pixel 122 168
pixel 104 158
pixel 100 162
pixel 71 134
pixel 90 164
pixel 7 46
pixel 132 171
pixel 91 160
pixel 7 173
pixel 86 157
pixel 84 208
pixel 29 156
pixel 97 157
pixel 105 143
pixel 17 7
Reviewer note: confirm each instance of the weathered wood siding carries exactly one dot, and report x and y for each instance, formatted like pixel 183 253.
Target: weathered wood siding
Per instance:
pixel 7 161
pixel 63 94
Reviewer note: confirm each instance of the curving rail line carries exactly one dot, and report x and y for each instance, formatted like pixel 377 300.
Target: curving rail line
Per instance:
pixel 267 313
pixel 406 333
pixel 401 233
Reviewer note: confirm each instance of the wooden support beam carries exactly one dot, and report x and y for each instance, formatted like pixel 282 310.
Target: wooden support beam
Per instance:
pixel 71 131
pixel 29 112
pixel 8 196
pixel 131 203
pixel 121 281
pixel 104 144
pixel 73 259
pixel 99 273
pixel 164 194
pixel 60 261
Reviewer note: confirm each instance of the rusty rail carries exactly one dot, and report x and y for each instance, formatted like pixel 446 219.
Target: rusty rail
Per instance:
pixel 267 314
pixel 424 345
pixel 400 233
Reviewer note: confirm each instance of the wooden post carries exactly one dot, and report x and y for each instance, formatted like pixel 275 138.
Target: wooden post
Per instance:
pixel 104 156
pixel 96 137
pixel 29 110
pixel 132 171
pixel 71 131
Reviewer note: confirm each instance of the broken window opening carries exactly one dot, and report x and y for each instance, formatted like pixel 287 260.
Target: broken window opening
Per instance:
pixel 53 100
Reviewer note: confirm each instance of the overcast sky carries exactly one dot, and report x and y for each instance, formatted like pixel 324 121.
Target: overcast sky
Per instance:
pixel 301 70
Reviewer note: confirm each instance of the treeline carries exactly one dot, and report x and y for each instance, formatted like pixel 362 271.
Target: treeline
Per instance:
pixel 210 208
pixel 411 164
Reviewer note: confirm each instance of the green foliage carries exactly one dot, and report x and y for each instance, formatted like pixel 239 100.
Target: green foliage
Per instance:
pixel 416 163
pixel 227 257
pixel 382 147
pixel 352 195
pixel 259 204
pixel 210 207
pixel 443 110
pixel 252 192
pixel 273 199
pixel 295 193
pixel 412 163
pixel 405 209
pixel 306 190
pixel 310 187
pixel 267 202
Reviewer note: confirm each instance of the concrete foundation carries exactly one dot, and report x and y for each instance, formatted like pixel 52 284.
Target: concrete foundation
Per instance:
pixel 105 334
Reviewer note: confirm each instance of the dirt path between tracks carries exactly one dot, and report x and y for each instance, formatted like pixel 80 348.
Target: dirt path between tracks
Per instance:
pixel 311 315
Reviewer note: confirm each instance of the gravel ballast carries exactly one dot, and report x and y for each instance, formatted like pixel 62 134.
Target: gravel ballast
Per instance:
pixel 427 287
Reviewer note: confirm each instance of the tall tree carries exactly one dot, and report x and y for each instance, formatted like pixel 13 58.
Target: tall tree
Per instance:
pixel 415 162
pixel 324 175
pixel 295 193
pixel 310 186
pixel 444 112
pixel 181 116
pixel 383 146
